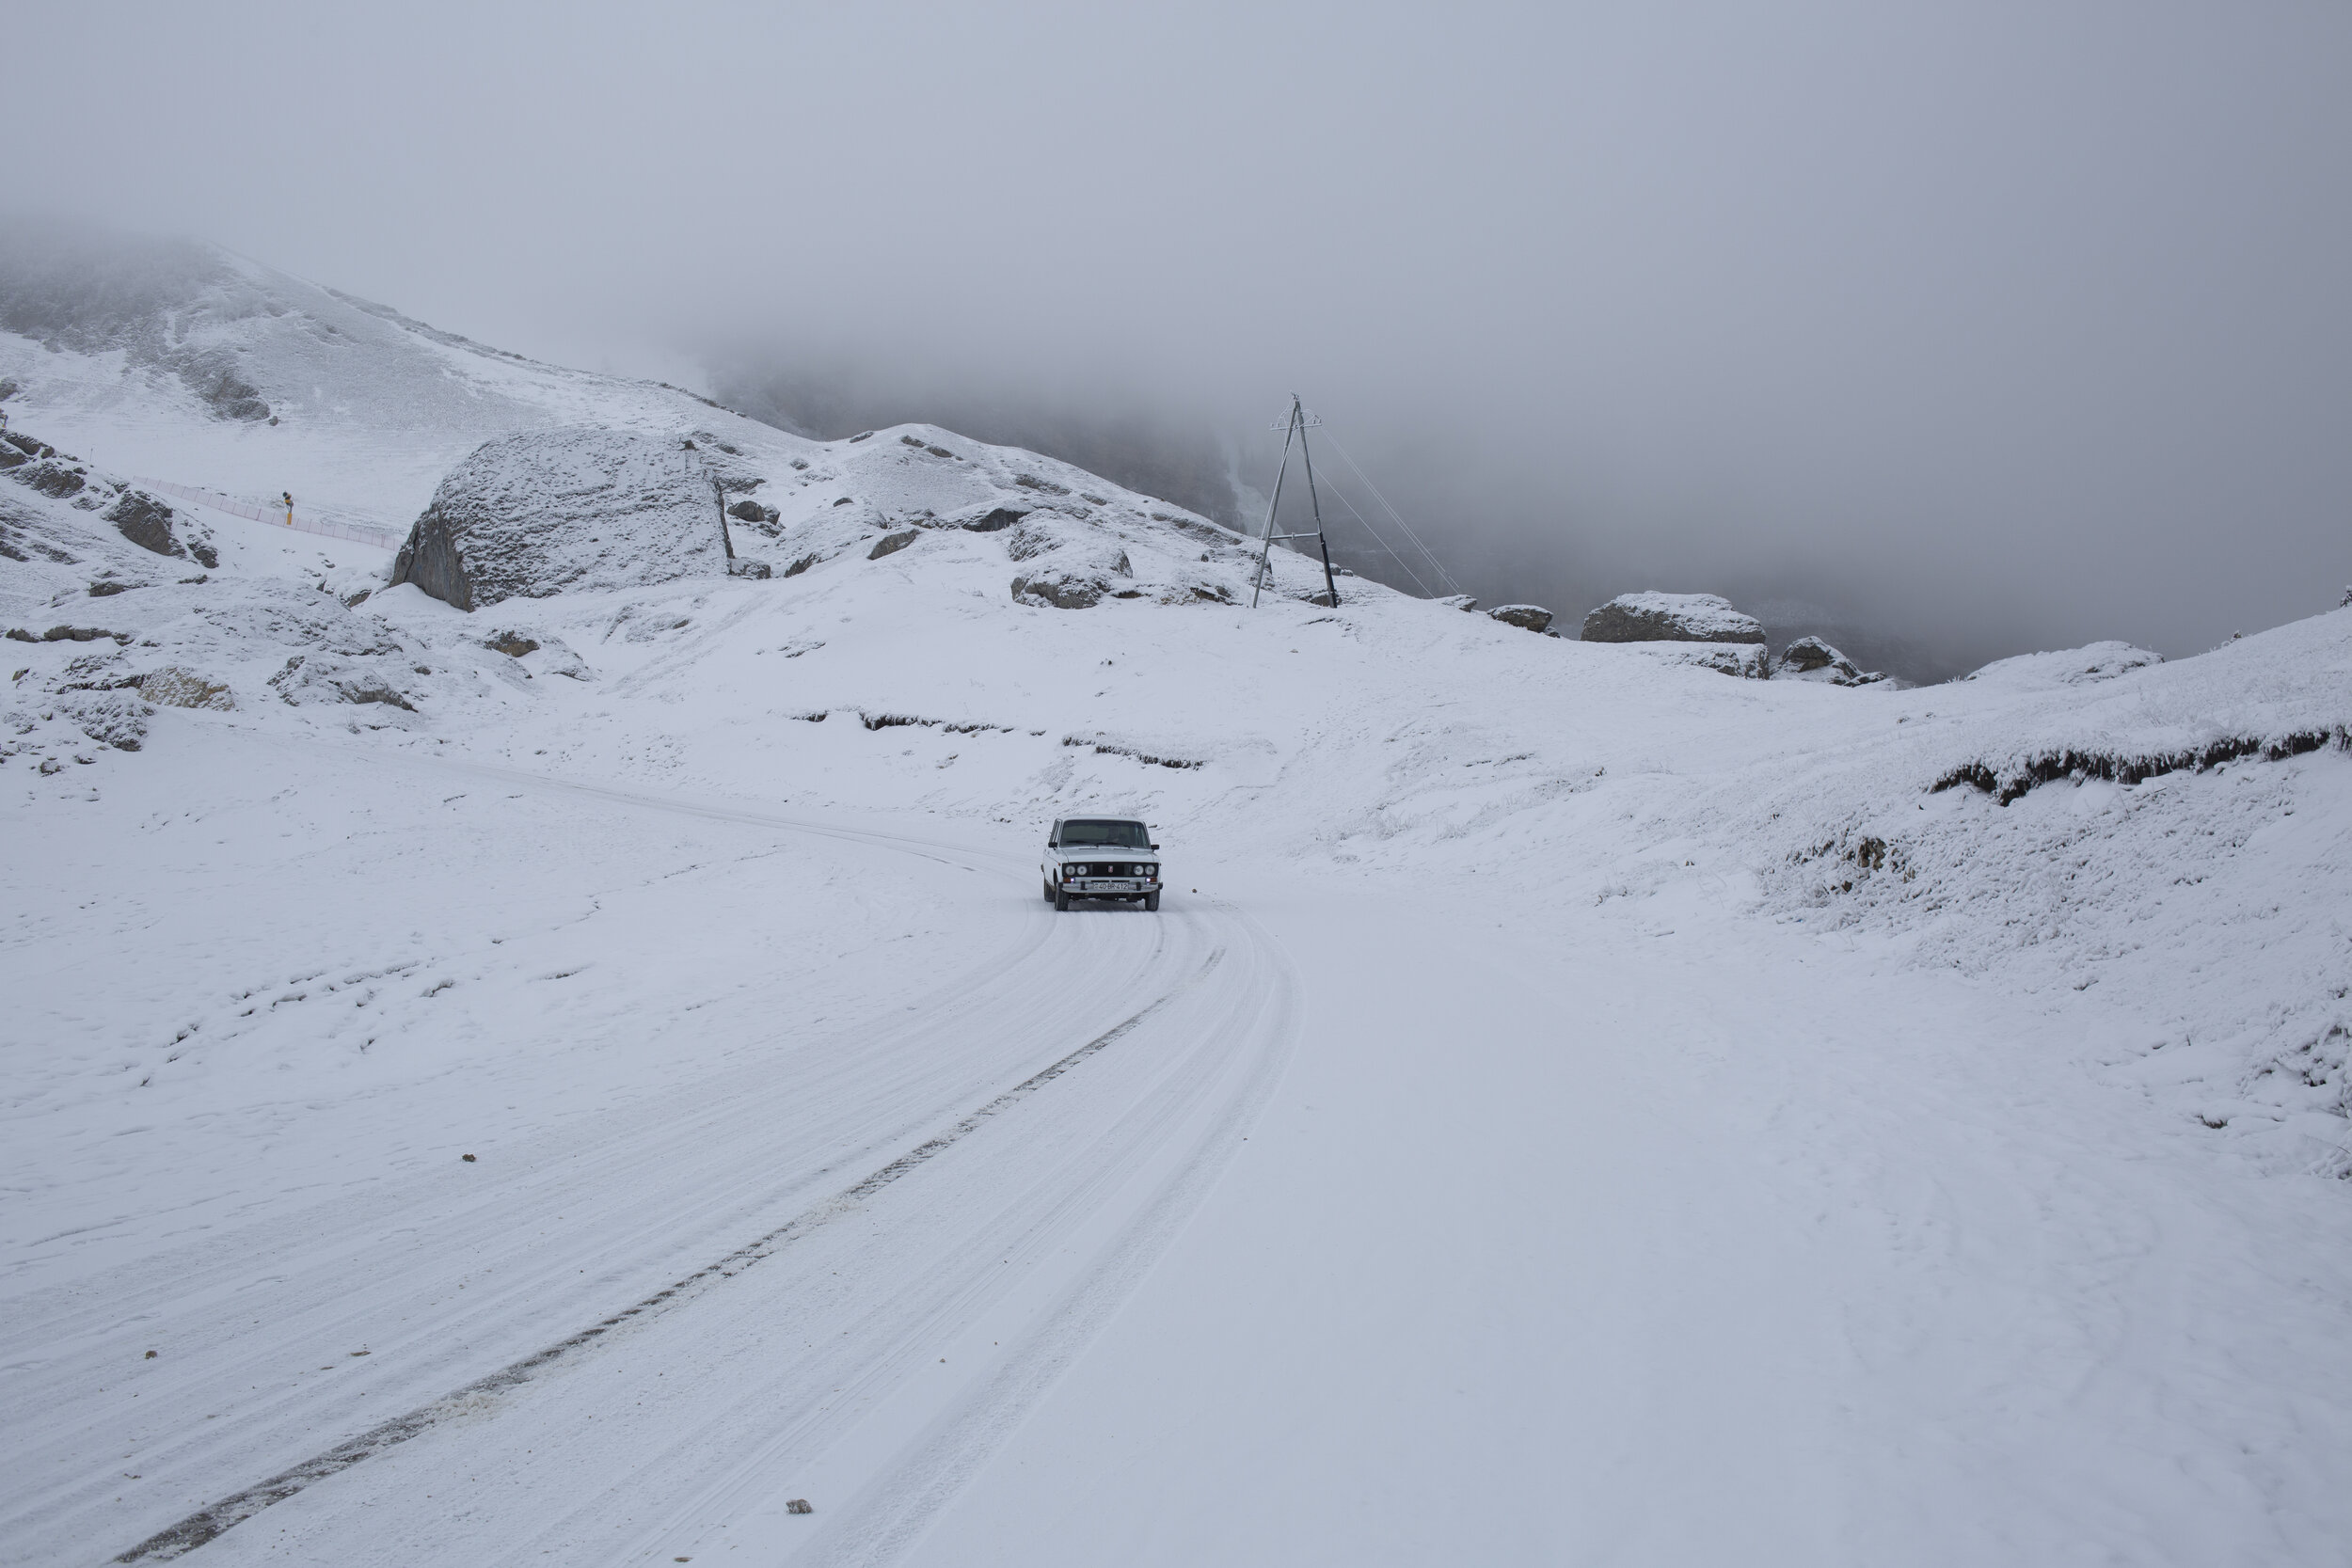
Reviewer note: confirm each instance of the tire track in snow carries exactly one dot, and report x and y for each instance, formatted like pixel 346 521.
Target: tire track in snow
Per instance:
pixel 1181 1139
pixel 209 1523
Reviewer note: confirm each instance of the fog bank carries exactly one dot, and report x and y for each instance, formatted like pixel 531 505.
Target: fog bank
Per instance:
pixel 1975 328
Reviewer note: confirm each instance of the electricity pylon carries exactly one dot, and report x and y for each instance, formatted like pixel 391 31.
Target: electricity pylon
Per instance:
pixel 1293 429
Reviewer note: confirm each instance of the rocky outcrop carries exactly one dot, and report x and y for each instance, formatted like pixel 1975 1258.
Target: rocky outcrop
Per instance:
pixel 1654 617
pixel 1061 587
pixel 891 544
pixel 323 678
pixel 1810 658
pixel 145 522
pixel 172 687
pixel 55 477
pixel 116 719
pixel 1746 660
pixel 534 514
pixel 1527 617
pixel 1457 601
pixel 141 518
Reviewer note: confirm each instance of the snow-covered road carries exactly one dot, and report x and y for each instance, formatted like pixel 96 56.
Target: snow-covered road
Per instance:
pixel 1229 1236
pixel 1690 1240
pixel 852 1250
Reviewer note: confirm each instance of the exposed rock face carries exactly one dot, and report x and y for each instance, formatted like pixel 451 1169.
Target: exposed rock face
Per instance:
pixel 1809 659
pixel 144 521
pixel 1746 660
pixel 1671 618
pixel 323 678
pixel 1059 587
pixel 116 719
pixel 172 687
pixel 993 520
pixel 891 544
pixel 1527 617
pixel 749 512
pixel 1457 601
pixel 531 514
pixel 52 477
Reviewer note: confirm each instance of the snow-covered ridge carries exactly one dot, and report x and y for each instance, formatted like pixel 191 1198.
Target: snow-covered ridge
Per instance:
pixel 197 366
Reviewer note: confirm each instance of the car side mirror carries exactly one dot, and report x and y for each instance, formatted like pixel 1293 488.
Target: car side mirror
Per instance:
pixel 1155 846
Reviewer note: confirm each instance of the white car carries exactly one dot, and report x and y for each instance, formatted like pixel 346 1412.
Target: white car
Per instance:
pixel 1102 857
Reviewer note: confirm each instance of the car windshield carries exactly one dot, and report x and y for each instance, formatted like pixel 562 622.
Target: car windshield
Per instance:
pixel 1107 835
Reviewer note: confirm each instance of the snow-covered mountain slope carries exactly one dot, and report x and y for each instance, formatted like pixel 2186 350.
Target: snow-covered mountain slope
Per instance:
pixel 179 361
pixel 1642 1114
pixel 2009 824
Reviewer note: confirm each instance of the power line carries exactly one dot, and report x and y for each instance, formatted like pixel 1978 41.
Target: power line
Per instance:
pixel 1404 565
pixel 1443 576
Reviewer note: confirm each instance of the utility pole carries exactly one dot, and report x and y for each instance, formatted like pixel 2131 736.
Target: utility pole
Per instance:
pixel 1294 428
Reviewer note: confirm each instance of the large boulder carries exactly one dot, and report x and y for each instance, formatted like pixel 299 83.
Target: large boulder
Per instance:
pixel 1671 618
pixel 1062 588
pixel 533 514
pixel 1810 658
pixel 1527 617
pixel 145 522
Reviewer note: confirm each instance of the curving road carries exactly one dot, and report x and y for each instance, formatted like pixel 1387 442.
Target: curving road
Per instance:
pixel 840 1272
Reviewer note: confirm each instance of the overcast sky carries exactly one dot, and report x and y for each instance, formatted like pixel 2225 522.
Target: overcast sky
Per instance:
pixel 2003 324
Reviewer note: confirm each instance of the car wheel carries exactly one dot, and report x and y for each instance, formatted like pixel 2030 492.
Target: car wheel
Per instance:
pixel 1152 902
pixel 1049 892
pixel 1061 899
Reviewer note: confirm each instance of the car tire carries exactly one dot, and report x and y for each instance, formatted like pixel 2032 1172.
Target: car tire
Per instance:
pixel 1061 899
pixel 1151 903
pixel 1049 891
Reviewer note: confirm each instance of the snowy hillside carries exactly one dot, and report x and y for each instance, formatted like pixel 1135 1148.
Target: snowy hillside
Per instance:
pixel 1573 1106
pixel 179 361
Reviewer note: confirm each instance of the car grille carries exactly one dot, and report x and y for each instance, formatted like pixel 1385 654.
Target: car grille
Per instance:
pixel 1111 870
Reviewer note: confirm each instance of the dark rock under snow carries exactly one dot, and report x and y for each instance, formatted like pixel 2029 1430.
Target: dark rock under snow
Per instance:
pixel 1671 618
pixel 1809 659
pixel 534 514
